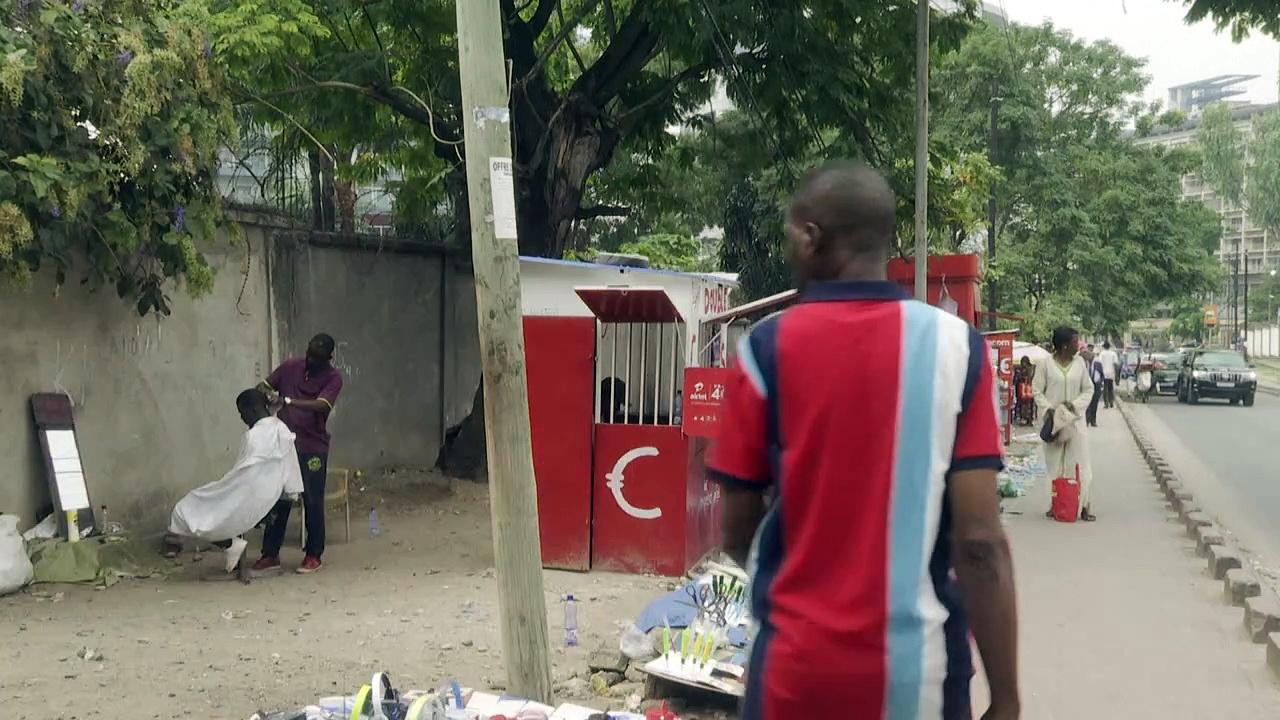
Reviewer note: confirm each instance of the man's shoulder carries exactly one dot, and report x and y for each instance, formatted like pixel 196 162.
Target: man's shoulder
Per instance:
pixel 290 365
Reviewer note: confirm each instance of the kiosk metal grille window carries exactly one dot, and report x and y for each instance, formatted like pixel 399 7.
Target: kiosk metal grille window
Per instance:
pixel 640 337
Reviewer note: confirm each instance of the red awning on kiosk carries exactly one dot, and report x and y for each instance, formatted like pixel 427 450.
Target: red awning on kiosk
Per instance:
pixel 630 304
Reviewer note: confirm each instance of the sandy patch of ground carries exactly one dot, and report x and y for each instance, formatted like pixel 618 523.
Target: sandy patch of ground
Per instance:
pixel 419 601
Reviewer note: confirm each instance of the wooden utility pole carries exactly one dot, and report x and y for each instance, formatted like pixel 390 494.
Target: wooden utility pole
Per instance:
pixel 513 496
pixel 922 149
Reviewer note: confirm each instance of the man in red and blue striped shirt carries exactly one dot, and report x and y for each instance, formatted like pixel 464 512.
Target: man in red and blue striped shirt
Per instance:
pixel 869 420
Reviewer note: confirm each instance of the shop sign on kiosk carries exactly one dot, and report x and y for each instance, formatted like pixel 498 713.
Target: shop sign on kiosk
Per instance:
pixel 704 389
pixel 1001 359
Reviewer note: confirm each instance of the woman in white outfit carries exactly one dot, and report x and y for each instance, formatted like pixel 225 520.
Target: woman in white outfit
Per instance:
pixel 1062 387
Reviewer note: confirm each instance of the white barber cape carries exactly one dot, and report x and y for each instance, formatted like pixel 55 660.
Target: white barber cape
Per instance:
pixel 266 469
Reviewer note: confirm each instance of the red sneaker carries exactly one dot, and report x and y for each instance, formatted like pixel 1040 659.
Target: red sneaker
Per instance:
pixel 266 563
pixel 309 565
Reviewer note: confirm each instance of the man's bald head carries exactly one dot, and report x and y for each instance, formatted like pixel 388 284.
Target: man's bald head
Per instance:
pixel 842 212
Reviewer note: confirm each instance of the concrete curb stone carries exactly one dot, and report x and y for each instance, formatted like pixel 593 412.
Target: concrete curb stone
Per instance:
pixel 1273 653
pixel 1207 536
pixel 1239 585
pixel 1261 617
pixel 1196 519
pixel 1183 498
pixel 1222 559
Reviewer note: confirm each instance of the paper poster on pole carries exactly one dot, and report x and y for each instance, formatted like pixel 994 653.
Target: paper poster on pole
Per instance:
pixel 503 188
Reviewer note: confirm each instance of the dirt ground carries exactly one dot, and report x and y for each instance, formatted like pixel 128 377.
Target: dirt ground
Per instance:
pixel 419 602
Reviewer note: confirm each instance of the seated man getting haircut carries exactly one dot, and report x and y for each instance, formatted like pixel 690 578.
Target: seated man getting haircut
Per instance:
pixel 265 470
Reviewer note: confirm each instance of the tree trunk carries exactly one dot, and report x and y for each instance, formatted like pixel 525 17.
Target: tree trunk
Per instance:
pixel 344 193
pixel 327 212
pixel 346 199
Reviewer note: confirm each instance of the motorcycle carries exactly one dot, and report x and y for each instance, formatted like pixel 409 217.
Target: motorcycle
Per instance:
pixel 1145 379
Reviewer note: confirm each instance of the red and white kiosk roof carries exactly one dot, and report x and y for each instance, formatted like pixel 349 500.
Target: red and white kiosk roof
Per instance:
pixel 615 294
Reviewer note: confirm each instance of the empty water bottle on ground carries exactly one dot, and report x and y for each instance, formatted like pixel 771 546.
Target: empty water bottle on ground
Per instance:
pixel 570 621
pixel 373 523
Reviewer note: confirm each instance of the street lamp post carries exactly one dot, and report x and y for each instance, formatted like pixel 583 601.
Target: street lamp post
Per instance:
pixel 1271 296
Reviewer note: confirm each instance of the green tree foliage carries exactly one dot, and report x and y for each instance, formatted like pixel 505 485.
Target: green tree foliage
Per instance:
pixel 1262 190
pixel 1092 231
pixel 1188 320
pixel 1264 300
pixel 753 243
pixel 592 82
pixel 1222 152
pixel 1239 16
pixel 669 251
pixel 112 118
pixel 680 187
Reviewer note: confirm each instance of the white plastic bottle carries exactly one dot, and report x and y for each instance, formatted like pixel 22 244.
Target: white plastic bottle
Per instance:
pixel 570 621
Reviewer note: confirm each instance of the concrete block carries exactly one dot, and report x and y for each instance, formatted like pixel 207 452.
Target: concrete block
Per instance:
pixel 1239 585
pixel 1195 519
pixel 1222 559
pixel 1182 498
pixel 1261 616
pixel 1171 489
pixel 1206 536
pixel 607 658
pixel 1273 653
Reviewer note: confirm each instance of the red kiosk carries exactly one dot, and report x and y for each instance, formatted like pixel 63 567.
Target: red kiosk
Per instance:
pixel 626 367
pixel 620 484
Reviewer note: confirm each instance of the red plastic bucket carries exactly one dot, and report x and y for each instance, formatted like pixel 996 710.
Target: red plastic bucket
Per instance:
pixel 1066 498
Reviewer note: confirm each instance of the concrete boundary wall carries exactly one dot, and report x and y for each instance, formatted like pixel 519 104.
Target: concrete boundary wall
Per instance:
pixel 154 397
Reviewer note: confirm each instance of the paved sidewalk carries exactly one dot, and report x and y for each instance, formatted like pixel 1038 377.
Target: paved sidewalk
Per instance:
pixel 1119 618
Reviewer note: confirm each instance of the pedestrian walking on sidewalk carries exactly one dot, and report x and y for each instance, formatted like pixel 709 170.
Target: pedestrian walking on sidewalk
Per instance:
pixel 1062 386
pixel 1095 377
pixel 1110 371
pixel 1026 400
pixel 883 462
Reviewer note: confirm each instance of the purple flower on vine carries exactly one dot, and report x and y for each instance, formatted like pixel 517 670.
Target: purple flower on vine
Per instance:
pixel 23 7
pixel 124 58
pixel 179 218
pixel 208 49
pixel 78 5
pixel 56 212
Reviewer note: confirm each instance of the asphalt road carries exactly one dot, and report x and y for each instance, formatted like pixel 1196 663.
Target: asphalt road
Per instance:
pixel 1234 455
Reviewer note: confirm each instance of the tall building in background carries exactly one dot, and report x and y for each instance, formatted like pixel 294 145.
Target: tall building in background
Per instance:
pixel 1193 97
pixel 1251 246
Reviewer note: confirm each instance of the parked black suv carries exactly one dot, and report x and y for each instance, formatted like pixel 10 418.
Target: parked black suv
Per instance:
pixel 1223 374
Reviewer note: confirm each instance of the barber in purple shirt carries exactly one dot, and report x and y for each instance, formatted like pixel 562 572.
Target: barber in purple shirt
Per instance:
pixel 306 389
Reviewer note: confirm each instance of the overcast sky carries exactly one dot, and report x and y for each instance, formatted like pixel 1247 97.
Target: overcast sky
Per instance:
pixel 1153 29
